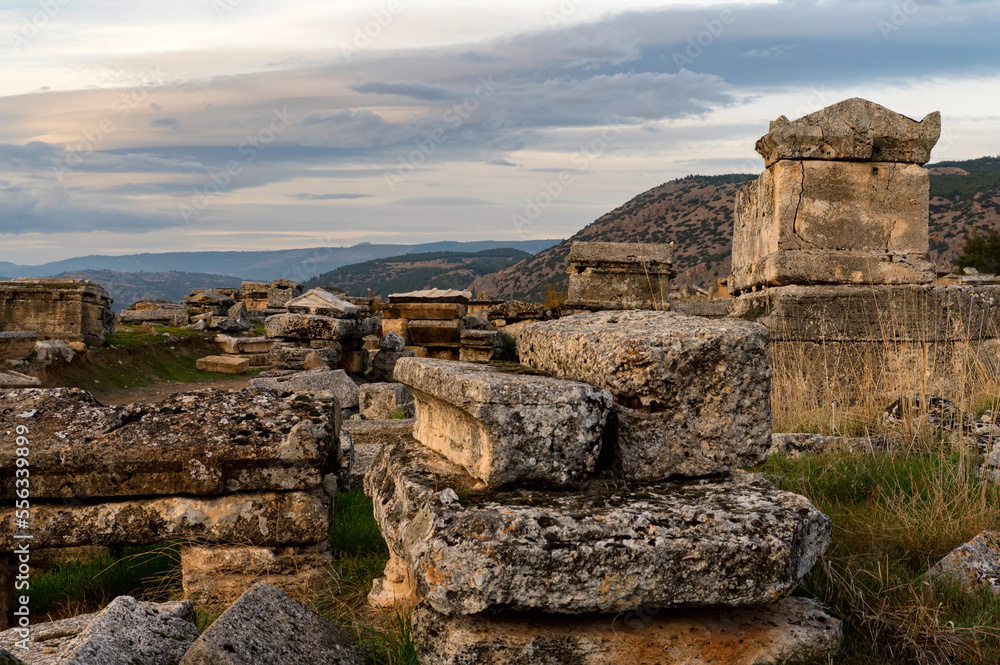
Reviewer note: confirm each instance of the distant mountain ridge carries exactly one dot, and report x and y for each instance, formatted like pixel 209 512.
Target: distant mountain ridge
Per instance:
pixel 413 272
pixel 696 214
pixel 298 264
pixel 127 288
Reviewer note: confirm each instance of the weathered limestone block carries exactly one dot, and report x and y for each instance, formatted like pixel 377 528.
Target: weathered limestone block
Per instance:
pixel 691 394
pixel 201 443
pixel 378 400
pixel 213 298
pixel 384 363
pixel 310 326
pixel 451 355
pixel 66 309
pixel 919 313
pixel 973 565
pixel 732 542
pixel 17 344
pixel 789 630
pixel 356 362
pixel 215 577
pixel 125 632
pixel 399 326
pixel 322 303
pixel 854 129
pixel 479 346
pixel 619 275
pixel 265 519
pixel 281 291
pixel 320 383
pixel 505 427
pixel 433 296
pixel 12 379
pixel 436 333
pixel 293 356
pixel 820 222
pixel 163 317
pixel 266 626
pixel 223 364
pixel 244 345
pixel 154 304
pixel 425 310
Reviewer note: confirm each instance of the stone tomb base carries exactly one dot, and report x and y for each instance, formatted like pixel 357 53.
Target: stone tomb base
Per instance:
pixel 791 628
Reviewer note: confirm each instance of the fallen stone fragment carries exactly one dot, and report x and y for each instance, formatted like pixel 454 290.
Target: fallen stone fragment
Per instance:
pixel 378 400
pixel 266 626
pixel 126 632
pixel 202 443
pixel 392 342
pixel 245 345
pixel 854 129
pixel 264 519
pixel 734 542
pixel 322 303
pixel 311 326
pixel 973 565
pixel 505 427
pixel 320 383
pixel 223 364
pixel 792 629
pixel 384 363
pixel 165 317
pixel 692 395
pixel 292 356
pixel 12 379
pixel 797 444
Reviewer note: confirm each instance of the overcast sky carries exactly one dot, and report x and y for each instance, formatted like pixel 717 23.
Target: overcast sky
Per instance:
pixel 131 126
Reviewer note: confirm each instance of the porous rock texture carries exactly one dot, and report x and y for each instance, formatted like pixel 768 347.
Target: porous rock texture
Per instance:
pixel 312 326
pixel 320 383
pixel 266 626
pixel 207 442
pixel 791 629
pixel 126 632
pixel 691 394
pixel 973 565
pixel 612 548
pixel 854 129
pixel 507 427
pixel 267 519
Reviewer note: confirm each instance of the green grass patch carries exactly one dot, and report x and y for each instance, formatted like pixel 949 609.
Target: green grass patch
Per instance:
pixel 138 336
pixel 894 515
pixel 147 573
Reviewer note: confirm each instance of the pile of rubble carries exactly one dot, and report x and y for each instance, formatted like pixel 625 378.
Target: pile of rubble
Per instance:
pixel 591 517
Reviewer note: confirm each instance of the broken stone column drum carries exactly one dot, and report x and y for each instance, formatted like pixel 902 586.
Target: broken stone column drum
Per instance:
pixel 843 200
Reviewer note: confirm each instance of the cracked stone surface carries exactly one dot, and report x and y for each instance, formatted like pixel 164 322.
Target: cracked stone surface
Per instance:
pixel 691 394
pixel 505 427
pixel 265 519
pixel 266 626
pixel 611 548
pixel 854 129
pixel 818 222
pixel 791 629
pixel 207 442
pixel 126 632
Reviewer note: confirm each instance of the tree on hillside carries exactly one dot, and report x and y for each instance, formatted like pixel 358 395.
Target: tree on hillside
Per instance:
pixel 981 252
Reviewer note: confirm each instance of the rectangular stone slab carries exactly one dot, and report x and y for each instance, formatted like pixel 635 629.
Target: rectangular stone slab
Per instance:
pixel 223 364
pixel 691 394
pixel 436 333
pixel 821 222
pixel 901 313
pixel 202 443
pixel 311 326
pixel 732 542
pixel 265 519
pixel 425 310
pixel 793 628
pixel 503 427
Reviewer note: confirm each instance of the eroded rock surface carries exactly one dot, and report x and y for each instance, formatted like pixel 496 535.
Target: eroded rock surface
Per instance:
pixel 320 383
pixel 973 565
pixel 505 427
pixel 208 442
pixel 791 629
pixel 691 394
pixel 612 548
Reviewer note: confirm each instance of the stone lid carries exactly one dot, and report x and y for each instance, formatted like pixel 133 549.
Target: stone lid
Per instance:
pixel 620 252
pixel 284 284
pixel 432 295
pixel 324 303
pixel 854 129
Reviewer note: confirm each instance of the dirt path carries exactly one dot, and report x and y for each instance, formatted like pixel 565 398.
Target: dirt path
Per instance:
pixel 161 391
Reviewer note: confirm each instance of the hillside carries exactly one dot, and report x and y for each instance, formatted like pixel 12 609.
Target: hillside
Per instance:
pixel 297 264
pixel 126 288
pixel 695 213
pixel 410 272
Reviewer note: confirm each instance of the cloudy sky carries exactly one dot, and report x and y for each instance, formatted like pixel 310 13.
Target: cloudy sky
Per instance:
pixel 131 126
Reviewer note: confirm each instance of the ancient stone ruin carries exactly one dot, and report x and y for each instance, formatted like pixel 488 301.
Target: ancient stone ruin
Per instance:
pixel 830 251
pixel 71 310
pixel 245 477
pixel 589 507
pixel 619 275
